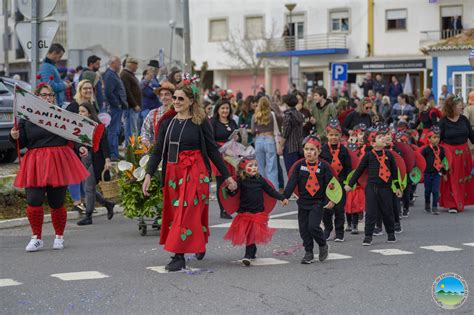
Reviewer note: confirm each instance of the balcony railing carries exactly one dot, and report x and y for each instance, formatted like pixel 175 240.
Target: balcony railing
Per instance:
pixel 430 37
pixel 310 42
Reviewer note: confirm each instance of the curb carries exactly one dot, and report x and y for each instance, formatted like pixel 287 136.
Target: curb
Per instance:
pixel 71 215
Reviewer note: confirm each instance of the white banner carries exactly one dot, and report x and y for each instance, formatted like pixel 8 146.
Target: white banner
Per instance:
pixel 56 120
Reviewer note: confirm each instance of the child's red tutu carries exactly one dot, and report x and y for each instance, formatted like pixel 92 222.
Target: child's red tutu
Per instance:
pixel 250 228
pixel 50 166
pixel 355 201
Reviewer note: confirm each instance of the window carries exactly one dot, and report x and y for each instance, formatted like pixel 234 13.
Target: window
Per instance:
pixel 218 30
pixel 451 21
pixel 254 27
pixel 463 83
pixel 396 19
pixel 339 21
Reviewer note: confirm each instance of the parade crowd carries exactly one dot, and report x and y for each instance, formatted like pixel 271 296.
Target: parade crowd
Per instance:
pixel 347 158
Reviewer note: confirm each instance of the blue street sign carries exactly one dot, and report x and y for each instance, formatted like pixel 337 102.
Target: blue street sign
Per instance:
pixel 339 71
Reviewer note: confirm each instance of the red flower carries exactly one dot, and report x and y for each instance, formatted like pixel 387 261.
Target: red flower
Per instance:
pixel 186 82
pixel 331 186
pixel 51 78
pixel 38 76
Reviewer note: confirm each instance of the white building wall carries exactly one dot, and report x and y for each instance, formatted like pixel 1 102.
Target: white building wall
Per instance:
pixel 421 16
pixel 449 58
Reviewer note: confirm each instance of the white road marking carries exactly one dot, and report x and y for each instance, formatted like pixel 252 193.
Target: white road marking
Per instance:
pixel 391 252
pixel 285 224
pixel 8 282
pixel 441 248
pixel 161 269
pixel 469 244
pixel 265 262
pixel 82 275
pixel 336 256
pixel 284 214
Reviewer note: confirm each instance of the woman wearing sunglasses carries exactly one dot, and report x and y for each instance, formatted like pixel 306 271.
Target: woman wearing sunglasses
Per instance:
pixel 47 168
pixel 362 115
pixel 186 146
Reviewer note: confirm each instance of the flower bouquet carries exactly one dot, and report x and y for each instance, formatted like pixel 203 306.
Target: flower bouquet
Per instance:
pixel 133 171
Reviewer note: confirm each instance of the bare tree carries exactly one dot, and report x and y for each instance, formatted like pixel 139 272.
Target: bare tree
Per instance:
pixel 244 51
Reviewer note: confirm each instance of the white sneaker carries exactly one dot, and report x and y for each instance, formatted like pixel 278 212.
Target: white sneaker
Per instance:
pixel 58 243
pixel 453 211
pixel 34 245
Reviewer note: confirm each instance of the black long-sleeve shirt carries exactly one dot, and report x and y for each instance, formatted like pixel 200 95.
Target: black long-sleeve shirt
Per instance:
pixel 33 136
pixel 455 133
pixel 344 158
pixel 427 118
pixel 371 163
pixel 429 156
pixel 194 137
pixel 353 119
pixel 300 177
pixel 251 194
pixel 222 131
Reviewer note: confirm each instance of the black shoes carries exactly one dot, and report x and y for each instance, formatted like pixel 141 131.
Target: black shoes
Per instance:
pixel 427 207
pixel 355 229
pixel 398 228
pixel 110 209
pixel 435 211
pixel 79 208
pixel 391 238
pixel 378 231
pixel 87 220
pixel 246 261
pixel 348 228
pixel 225 215
pixel 367 241
pixel 308 258
pixel 406 213
pixel 200 256
pixel 323 252
pixel 177 263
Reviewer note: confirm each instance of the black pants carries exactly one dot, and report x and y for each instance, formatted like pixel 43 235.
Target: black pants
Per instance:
pixel 378 199
pixel 338 212
pixel 407 193
pixel 432 185
pixel 309 222
pixel 55 195
pixel 219 181
pixel 396 211
pixel 250 251
pixel 281 179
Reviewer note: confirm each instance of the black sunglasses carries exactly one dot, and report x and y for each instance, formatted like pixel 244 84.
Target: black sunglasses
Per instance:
pixel 179 98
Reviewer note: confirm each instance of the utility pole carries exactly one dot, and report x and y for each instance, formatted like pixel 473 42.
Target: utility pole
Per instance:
pixel 187 37
pixel 6 38
pixel 34 41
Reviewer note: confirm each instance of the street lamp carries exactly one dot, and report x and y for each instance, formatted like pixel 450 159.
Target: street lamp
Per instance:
pixel 172 25
pixel 290 7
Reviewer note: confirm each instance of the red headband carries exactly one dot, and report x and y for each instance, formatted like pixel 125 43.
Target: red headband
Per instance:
pixel 338 128
pixel 314 142
pixel 243 163
pixel 432 133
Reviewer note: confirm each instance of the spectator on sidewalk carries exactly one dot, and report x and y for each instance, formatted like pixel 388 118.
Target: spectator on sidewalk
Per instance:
pixel 322 110
pixel 116 104
pixel 361 115
pixel 402 111
pixel 394 90
pixel 367 84
pixel 93 65
pixel 148 85
pixel 134 97
pixel 379 85
pixel 175 76
pixel 49 69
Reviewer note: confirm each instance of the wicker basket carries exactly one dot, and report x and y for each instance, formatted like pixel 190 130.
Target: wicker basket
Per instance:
pixel 109 189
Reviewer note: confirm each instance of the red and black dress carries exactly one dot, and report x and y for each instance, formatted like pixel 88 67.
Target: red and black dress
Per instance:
pixel 250 226
pixel 428 119
pixel 47 168
pixel 186 150
pixel 222 132
pixel 457 191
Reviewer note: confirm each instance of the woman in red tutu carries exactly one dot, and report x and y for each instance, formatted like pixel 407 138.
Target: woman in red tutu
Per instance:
pixel 48 167
pixel 223 126
pixel 186 146
pixel 250 226
pixel 457 190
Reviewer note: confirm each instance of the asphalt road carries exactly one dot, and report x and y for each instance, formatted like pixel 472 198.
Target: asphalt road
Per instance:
pixel 362 282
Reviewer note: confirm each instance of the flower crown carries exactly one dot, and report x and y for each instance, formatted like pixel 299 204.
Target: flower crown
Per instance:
pixel 192 82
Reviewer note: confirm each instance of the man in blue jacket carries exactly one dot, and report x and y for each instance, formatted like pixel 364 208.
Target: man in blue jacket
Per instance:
pixel 116 102
pixel 148 85
pixel 50 74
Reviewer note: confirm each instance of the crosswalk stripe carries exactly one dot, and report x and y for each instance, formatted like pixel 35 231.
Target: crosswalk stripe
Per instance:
pixel 265 262
pixel 161 269
pixel 336 256
pixel 82 275
pixel 279 215
pixel 441 248
pixel 8 282
pixel 284 224
pixel 391 252
pixel 469 244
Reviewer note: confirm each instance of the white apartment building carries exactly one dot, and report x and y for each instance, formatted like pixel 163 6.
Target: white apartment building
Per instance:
pixel 138 28
pixel 379 36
